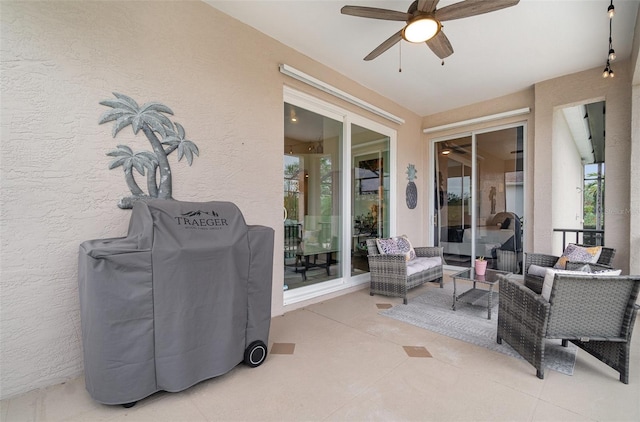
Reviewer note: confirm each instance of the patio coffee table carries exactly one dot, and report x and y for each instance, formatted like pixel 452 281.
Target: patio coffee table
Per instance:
pixel 490 278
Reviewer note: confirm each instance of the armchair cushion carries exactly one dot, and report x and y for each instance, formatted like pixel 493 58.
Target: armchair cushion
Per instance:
pixel 422 263
pixel 541 271
pixel 574 252
pixel 551 275
pixel 538 270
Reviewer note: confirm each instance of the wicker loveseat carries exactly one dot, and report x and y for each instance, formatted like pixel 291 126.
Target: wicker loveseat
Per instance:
pixel 534 282
pixel 393 275
pixel 595 312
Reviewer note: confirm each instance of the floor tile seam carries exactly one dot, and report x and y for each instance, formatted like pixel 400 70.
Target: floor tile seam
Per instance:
pixel 37 402
pixel 353 327
pixel 194 403
pixel 365 390
pixel 573 411
pixel 540 399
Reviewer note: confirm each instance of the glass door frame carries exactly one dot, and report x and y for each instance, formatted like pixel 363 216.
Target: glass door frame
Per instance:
pixel 474 179
pixel 348 118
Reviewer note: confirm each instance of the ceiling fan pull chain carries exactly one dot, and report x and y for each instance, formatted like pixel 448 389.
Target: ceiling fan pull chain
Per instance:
pixel 400 59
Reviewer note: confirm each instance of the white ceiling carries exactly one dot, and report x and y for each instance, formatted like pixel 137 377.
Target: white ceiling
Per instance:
pixel 494 54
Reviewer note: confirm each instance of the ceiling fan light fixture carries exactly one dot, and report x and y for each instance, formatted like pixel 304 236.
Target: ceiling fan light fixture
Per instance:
pixel 421 28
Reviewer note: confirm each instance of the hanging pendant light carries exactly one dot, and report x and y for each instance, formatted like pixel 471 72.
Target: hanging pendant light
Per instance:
pixel 611 11
pixel 611 55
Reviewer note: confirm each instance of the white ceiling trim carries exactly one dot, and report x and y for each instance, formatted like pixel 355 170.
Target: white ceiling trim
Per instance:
pixel 483 119
pixel 330 89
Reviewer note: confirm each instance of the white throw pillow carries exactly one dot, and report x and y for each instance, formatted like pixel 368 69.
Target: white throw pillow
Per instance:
pixel 608 272
pixel 551 274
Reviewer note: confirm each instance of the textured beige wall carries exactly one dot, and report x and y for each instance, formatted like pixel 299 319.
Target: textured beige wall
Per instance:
pixel 578 88
pixel 634 232
pixel 220 77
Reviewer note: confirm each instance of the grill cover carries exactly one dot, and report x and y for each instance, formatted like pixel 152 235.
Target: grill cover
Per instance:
pixel 176 301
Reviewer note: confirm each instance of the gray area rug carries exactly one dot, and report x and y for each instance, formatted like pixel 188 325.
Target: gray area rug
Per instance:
pixel 432 311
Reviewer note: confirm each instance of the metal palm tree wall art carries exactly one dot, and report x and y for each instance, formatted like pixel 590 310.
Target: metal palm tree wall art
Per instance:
pixel 151 118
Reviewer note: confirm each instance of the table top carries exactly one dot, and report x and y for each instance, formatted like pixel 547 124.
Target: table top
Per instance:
pixel 314 249
pixel 489 277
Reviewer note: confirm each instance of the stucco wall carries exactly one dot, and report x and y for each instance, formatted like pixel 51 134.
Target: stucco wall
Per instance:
pixel 634 232
pixel 579 88
pixel 221 79
pixel 567 176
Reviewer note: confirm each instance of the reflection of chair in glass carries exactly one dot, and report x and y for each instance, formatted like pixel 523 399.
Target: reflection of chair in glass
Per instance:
pixel 318 244
pixel 509 254
pixel 595 312
pixel 534 282
pixel 292 239
pixel 365 227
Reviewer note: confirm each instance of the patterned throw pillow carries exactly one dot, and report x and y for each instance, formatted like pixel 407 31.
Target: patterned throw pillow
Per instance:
pixel 395 246
pixel 405 246
pixel 578 254
pixel 388 246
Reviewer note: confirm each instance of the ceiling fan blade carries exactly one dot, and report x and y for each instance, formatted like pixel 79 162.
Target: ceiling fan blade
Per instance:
pixel 427 6
pixel 465 9
pixel 440 45
pixel 390 42
pixel 374 13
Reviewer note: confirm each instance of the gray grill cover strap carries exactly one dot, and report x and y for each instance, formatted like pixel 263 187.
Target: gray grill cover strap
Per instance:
pixel 175 302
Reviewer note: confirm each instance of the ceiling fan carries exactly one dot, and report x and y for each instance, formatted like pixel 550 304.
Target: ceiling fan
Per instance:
pixel 456 149
pixel 424 21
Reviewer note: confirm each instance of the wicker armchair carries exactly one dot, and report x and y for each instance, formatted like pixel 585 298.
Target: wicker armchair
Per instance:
pixel 534 282
pixel 596 313
pixel 389 272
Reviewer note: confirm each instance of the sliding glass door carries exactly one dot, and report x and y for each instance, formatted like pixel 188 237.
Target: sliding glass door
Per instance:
pixel 369 192
pixel 312 197
pixel 337 177
pixel 479 197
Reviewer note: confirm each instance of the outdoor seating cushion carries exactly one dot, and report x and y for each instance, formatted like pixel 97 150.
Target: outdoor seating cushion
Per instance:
pixel 420 263
pixel 574 252
pixel 538 270
pixel 551 275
